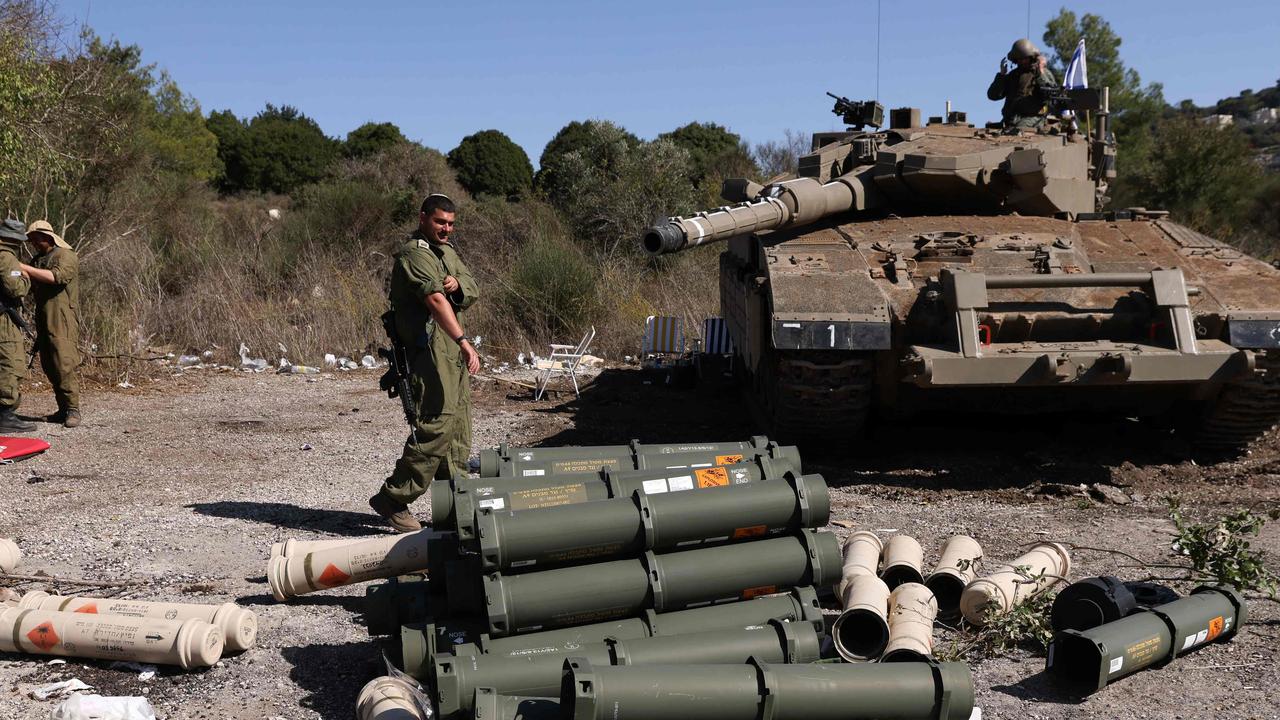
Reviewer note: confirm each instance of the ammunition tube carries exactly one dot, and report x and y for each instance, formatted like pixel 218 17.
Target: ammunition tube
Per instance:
pixel 455 678
pixel 1090 659
pixel 903 561
pixel 455 504
pixel 391 698
pixel 760 691
pixel 301 547
pixel 9 598
pixel 239 625
pixel 627 526
pixel 706 458
pixel 489 705
pixel 956 568
pixel 862 630
pixel 1012 584
pixel 912 610
pixel 673 581
pixel 290 576
pixel 861 557
pixel 186 643
pixel 585 458
pixel 10 555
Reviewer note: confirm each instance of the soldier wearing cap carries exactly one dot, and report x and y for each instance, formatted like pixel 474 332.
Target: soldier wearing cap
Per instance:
pixel 1024 88
pixel 56 287
pixel 430 287
pixel 13 287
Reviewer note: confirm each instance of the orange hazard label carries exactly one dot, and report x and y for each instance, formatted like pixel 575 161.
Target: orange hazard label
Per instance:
pixel 712 477
pixel 728 459
pixel 44 637
pixel 90 608
pixel 758 591
pixel 332 576
pixel 1215 628
pixel 750 532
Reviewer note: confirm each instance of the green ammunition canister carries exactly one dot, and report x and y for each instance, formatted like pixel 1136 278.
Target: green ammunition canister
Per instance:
pixel 672 581
pixel 488 704
pixel 627 526
pixel 589 458
pixel 760 691
pixel 1091 659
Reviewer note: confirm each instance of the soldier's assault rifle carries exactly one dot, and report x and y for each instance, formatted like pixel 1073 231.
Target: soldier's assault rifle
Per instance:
pixel 395 381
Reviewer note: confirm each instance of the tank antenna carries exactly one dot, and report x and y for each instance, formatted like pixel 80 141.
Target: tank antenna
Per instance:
pixel 1028 19
pixel 878 50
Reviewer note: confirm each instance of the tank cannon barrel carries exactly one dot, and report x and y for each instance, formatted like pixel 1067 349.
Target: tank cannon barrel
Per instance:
pixel 792 203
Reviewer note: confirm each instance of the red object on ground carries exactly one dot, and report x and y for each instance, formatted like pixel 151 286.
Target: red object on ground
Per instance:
pixel 20 448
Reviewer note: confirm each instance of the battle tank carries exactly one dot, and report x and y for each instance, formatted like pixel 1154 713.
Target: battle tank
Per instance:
pixel 941 265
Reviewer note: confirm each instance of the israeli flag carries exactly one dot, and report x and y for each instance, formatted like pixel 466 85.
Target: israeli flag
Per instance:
pixel 1077 76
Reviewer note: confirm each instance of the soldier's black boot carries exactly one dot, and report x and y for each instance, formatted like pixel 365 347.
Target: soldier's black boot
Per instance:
pixel 11 423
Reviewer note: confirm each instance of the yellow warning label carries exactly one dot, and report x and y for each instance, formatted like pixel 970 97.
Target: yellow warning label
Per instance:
pixel 712 477
pixel 728 459
pixel 545 497
pixel 590 465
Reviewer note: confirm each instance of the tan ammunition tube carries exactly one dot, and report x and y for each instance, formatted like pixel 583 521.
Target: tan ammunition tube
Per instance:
pixel 862 630
pixel 10 555
pixel 290 576
pixel 912 610
pixel 388 698
pixel 292 547
pixel 956 568
pixel 861 557
pixel 239 625
pixel 186 643
pixel 1011 584
pixel 903 561
pixel 9 597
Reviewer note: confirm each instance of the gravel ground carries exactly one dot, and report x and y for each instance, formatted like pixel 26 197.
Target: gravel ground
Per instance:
pixel 179 487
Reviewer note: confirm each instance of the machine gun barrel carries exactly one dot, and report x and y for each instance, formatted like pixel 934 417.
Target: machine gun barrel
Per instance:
pixel 791 203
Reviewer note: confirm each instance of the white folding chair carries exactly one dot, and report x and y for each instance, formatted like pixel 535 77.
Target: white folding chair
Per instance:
pixel 663 335
pixel 564 360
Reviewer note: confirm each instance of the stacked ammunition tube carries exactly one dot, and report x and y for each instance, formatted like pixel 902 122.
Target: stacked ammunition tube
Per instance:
pixel 633 565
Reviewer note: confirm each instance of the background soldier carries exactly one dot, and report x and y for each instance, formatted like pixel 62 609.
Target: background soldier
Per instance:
pixel 429 287
pixel 13 286
pixel 1022 90
pixel 56 287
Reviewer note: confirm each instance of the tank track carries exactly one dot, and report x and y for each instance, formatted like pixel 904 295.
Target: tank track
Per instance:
pixel 1244 411
pixel 806 396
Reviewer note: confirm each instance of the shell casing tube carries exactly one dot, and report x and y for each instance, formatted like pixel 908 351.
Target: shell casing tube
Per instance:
pixel 1030 574
pixel 390 698
pixel 912 610
pixel 671 581
pixel 469 496
pixel 795 605
pixel 903 561
pixel 627 526
pixel 239 625
pixel 761 691
pixel 861 632
pixel 382 557
pixel 1090 659
pixel 651 461
pixel 488 704
pixel 861 556
pixel 455 678
pixel 301 547
pixel 957 567
pixel 569 457
pixel 186 643
pixel 10 555
pixel 9 597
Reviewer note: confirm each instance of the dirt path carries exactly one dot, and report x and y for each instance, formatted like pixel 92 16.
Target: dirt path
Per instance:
pixel 183 486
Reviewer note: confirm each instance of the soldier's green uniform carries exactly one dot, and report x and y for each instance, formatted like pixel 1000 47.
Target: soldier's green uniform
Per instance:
pixel 14 286
pixel 440 444
pixel 1022 90
pixel 58 324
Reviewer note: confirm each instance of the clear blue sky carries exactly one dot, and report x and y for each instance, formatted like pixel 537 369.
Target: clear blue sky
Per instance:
pixel 442 70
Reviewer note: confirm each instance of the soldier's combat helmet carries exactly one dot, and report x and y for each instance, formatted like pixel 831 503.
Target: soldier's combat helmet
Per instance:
pixel 1023 49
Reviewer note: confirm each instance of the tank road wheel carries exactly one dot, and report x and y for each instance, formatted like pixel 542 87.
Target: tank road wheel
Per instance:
pixel 1244 410
pixel 808 396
